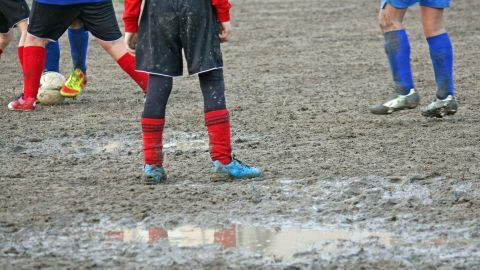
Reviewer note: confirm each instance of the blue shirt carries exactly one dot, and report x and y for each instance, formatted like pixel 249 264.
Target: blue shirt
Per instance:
pixel 69 2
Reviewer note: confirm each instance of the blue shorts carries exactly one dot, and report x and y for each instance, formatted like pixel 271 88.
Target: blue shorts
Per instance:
pixel 401 4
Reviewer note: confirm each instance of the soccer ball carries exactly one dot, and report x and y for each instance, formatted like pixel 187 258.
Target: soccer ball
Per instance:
pixel 49 91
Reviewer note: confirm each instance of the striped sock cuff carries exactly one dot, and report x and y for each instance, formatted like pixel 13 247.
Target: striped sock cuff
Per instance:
pixel 217 117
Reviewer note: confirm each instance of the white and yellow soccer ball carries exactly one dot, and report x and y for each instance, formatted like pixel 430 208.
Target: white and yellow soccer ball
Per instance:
pixel 49 91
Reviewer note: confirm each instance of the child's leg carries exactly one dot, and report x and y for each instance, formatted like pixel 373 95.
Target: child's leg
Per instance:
pixel 34 57
pixel 53 57
pixel 23 25
pixel 441 51
pixel 153 118
pixel 432 21
pixel 216 115
pixel 212 84
pixel 397 47
pixel 77 79
pixel 5 39
pixel 218 124
pixel 78 38
pixel 118 50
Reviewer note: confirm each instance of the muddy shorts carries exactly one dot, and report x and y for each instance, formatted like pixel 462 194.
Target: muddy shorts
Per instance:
pixel 51 21
pixel 401 4
pixel 11 13
pixel 167 27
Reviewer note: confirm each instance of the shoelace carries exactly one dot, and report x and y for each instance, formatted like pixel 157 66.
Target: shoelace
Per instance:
pixel 437 103
pixel 432 105
pixel 155 169
pixel 243 166
pixel 396 102
pixel 75 78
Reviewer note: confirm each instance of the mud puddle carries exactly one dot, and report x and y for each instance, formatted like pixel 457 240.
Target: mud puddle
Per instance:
pixel 277 242
pixel 88 144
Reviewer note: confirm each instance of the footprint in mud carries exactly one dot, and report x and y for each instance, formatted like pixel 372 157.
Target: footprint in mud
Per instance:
pixel 81 146
pixel 395 180
pixel 10 251
pixel 19 149
pixel 113 147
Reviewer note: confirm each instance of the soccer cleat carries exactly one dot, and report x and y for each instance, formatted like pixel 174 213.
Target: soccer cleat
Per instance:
pixel 74 84
pixel 21 104
pixel 154 174
pixel 441 107
pixel 233 170
pixel 397 102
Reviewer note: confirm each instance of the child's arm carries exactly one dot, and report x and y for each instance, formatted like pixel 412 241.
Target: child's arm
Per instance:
pixel 223 9
pixel 131 15
pixel 223 15
pixel 225 31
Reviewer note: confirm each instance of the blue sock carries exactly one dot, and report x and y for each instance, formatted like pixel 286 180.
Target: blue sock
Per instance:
pixel 53 57
pixel 441 53
pixel 78 46
pixel 397 48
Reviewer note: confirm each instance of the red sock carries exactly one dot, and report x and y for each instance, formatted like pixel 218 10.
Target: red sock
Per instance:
pixel 218 124
pixel 34 58
pixel 20 55
pixel 127 63
pixel 1 51
pixel 152 130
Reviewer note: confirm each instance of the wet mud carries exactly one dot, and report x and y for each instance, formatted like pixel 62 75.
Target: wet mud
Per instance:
pixel 385 192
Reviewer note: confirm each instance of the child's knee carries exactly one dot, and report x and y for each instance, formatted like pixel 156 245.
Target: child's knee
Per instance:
pixel 35 41
pixel 5 40
pixel 433 30
pixel 23 25
pixel 387 23
pixel 116 48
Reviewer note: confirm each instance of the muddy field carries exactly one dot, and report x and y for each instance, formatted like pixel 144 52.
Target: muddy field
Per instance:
pixel 376 192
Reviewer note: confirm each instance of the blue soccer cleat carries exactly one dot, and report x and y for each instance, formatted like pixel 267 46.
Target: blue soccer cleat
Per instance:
pixel 154 174
pixel 233 170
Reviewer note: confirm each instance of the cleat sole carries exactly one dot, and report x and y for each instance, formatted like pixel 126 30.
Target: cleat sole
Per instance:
pixel 148 180
pixel 69 93
pixel 218 177
pixel 228 178
pixel 11 108
pixel 439 113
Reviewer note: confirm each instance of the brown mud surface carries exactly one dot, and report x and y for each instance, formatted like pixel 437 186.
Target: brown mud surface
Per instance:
pixel 300 77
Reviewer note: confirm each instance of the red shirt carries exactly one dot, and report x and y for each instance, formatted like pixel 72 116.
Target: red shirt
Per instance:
pixel 132 13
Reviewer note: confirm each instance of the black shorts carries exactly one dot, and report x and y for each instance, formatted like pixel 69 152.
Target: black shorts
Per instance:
pixel 167 27
pixel 51 21
pixel 11 13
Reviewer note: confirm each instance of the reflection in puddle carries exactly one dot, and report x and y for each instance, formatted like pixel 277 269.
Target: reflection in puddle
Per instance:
pixel 267 241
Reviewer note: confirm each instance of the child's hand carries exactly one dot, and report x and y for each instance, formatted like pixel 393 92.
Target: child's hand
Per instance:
pixel 225 30
pixel 131 42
